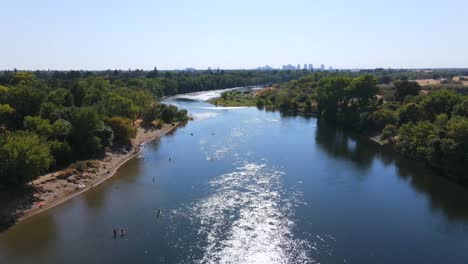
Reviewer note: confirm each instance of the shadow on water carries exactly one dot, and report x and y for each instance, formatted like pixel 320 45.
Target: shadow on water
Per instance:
pixel 30 237
pixel 341 143
pixel 12 200
pixel 444 196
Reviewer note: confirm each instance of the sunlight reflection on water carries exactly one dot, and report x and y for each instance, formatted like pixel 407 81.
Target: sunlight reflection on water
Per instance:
pixel 247 219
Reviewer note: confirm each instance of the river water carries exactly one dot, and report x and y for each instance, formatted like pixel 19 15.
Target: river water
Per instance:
pixel 249 186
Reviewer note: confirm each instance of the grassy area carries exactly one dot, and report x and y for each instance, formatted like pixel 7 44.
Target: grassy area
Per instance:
pixel 235 99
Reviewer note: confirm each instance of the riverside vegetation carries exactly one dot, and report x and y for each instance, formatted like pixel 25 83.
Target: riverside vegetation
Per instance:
pixel 50 124
pixel 49 119
pixel 431 125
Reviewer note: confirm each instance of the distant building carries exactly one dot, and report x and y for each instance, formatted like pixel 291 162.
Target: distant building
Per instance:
pixel 305 67
pixel 330 68
pixel 288 67
pixel 265 68
pixel 322 67
pixel 190 69
pixel 298 67
pixel 311 67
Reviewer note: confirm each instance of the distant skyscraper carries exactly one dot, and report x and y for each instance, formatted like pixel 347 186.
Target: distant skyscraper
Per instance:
pixel 265 68
pixel 311 67
pixel 322 67
pixel 298 67
pixel 305 67
pixel 330 68
pixel 288 67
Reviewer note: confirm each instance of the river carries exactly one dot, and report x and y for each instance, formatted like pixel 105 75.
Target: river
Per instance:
pixel 248 186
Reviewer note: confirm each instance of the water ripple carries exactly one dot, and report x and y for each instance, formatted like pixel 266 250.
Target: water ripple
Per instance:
pixel 247 219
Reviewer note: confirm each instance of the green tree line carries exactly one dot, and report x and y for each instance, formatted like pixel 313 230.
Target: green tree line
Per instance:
pixel 159 83
pixel 432 127
pixel 46 123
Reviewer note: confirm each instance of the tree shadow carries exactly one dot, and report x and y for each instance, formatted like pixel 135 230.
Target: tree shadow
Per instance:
pixel 443 195
pixel 341 143
pixel 13 202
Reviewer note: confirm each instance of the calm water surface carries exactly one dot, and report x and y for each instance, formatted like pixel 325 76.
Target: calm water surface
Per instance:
pixel 249 186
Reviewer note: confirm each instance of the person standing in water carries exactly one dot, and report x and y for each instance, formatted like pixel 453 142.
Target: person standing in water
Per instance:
pixel 121 232
pixel 115 233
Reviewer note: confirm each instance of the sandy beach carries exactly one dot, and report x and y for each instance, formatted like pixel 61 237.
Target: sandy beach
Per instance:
pixel 57 187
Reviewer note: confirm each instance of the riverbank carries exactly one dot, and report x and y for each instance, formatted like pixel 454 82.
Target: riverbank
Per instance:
pixel 57 187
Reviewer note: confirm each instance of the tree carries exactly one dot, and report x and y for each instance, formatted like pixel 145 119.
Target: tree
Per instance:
pixel 151 113
pixel 139 99
pixel 22 79
pixel 23 157
pixel 116 105
pixel 38 125
pixel 362 89
pixel 25 100
pixel 330 93
pixel 461 108
pixel 457 129
pixel 61 129
pixel 61 151
pixel 168 113
pixel 78 93
pixel 308 107
pixel 6 115
pixel 441 121
pixel 381 118
pixel 105 135
pixel 123 131
pixel 88 133
pixel 153 74
pixel 415 139
pixel 61 97
pixel 406 88
pixel 170 86
pixel 410 112
pixel 439 102
pixel 3 93
pixel 51 111
pixel 260 103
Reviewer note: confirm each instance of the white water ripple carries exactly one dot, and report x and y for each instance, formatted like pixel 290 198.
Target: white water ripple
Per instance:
pixel 247 219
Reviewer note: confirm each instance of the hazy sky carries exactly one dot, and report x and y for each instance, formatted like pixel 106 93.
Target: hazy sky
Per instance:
pixel 232 34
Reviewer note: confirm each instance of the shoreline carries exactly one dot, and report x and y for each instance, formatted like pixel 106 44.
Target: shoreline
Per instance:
pixel 55 188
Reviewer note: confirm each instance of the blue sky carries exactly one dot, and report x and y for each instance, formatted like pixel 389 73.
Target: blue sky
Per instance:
pixel 232 34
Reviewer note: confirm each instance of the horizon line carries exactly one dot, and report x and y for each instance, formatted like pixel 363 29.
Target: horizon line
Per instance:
pixel 233 69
